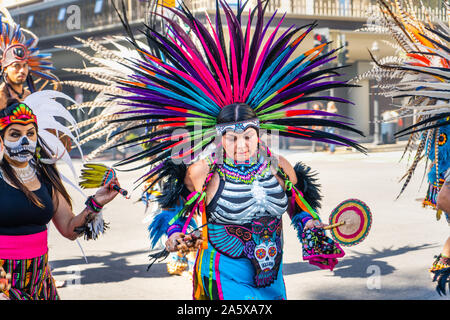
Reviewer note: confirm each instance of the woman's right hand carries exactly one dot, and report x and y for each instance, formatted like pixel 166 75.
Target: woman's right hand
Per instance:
pixel 182 242
pixel 314 224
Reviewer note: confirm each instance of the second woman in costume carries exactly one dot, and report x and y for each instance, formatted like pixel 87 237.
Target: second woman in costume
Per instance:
pixel 32 194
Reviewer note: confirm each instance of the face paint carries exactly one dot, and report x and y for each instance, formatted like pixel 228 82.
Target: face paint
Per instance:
pixel 21 150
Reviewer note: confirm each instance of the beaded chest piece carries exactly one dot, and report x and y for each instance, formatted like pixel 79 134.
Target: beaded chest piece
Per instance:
pixel 249 192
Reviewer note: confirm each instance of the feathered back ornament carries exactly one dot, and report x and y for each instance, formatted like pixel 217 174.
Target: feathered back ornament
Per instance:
pixel 215 65
pixel 419 75
pixel 49 113
pixel 106 67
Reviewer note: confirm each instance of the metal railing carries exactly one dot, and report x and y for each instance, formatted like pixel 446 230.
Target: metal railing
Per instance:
pixel 51 18
pixel 60 17
pixel 355 9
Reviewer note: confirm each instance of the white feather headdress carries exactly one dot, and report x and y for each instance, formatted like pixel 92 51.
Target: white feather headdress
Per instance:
pixel 50 115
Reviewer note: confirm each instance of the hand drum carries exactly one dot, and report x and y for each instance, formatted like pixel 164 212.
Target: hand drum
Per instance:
pixel 350 222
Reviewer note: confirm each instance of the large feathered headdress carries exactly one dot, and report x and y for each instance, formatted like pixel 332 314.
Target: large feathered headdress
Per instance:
pixel 212 66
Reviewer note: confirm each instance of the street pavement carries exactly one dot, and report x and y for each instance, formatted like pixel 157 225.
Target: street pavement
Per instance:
pixel 392 263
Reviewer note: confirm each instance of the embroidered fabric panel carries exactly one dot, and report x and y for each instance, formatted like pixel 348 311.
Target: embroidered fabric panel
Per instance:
pixel 260 242
pixel 225 242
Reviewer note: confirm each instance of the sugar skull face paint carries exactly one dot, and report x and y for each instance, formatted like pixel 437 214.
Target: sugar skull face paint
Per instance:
pixel 21 150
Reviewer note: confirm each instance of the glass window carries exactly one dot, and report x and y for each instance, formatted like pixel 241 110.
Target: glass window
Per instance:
pixel 62 14
pixel 98 6
pixel 30 20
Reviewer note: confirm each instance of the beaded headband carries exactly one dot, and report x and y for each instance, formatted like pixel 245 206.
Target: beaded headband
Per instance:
pixel 21 114
pixel 15 53
pixel 238 127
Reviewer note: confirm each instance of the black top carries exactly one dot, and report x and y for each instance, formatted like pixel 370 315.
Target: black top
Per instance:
pixel 18 215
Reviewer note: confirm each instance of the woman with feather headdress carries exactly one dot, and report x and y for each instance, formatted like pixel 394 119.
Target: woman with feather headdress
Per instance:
pixel 419 75
pixel 32 194
pixel 221 88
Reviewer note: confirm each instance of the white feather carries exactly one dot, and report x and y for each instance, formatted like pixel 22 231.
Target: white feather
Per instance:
pixel 47 110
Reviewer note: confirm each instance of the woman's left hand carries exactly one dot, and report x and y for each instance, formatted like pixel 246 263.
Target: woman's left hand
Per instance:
pixel 106 193
pixel 314 224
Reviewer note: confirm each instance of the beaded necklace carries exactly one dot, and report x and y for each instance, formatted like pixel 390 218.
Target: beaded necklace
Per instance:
pixel 245 173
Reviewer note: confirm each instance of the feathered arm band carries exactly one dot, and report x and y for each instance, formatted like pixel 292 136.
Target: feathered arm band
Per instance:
pixel 94 225
pixel 173 187
pixel 441 272
pixel 167 223
pixel 318 249
pixel 305 196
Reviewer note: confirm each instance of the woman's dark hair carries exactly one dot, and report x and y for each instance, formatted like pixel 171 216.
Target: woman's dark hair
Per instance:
pixel 46 172
pixel 236 112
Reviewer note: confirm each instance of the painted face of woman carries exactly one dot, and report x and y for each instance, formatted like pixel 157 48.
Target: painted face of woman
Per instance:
pixel 20 142
pixel 241 146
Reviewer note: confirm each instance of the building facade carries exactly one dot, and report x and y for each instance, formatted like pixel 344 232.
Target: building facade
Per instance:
pixel 58 22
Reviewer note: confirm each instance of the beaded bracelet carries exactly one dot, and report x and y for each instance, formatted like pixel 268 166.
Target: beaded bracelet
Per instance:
pixel 301 219
pixel 93 205
pixel 173 229
pixel 305 220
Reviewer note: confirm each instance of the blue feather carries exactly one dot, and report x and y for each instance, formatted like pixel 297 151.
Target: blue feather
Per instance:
pixel 160 223
pixel 296 222
pixel 265 76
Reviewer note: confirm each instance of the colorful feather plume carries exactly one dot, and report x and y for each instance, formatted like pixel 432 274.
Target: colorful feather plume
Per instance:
pixel 98 175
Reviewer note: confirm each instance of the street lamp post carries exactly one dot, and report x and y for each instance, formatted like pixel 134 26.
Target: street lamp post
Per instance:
pixel 376 109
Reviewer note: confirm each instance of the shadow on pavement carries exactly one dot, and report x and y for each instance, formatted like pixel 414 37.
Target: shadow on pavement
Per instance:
pixel 114 268
pixel 356 264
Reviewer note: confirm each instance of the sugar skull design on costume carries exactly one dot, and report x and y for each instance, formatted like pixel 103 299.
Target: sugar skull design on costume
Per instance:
pixel 265 254
pixel 264 233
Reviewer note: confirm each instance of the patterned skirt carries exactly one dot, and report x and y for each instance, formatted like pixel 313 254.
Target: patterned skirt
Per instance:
pixel 218 277
pixel 31 279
